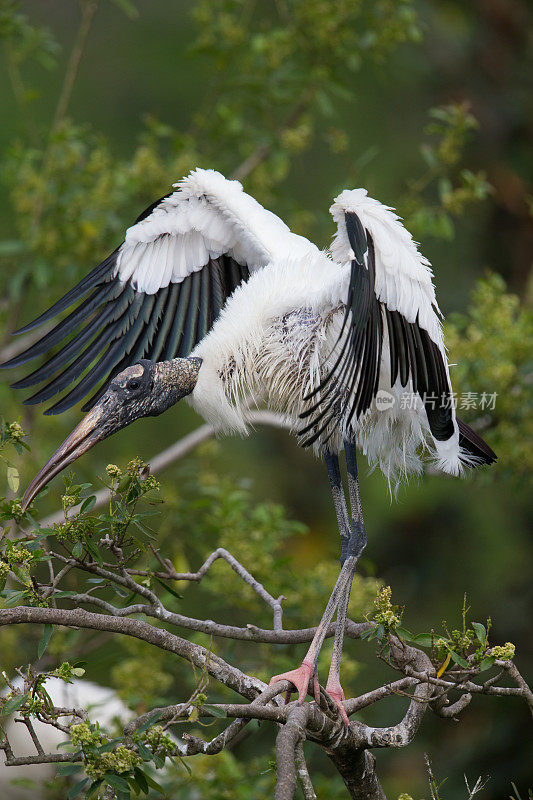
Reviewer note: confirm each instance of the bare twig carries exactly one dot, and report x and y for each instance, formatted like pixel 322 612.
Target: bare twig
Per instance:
pixel 31 730
pixel 88 11
pixel 263 151
pixel 237 567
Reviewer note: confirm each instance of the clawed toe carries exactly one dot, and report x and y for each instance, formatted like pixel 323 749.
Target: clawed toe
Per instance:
pixel 337 695
pixel 300 679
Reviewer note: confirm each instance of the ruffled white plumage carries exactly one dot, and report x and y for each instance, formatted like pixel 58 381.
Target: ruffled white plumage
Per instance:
pixel 207 216
pixel 279 350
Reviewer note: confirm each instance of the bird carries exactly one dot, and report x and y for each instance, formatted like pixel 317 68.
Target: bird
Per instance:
pixel 212 298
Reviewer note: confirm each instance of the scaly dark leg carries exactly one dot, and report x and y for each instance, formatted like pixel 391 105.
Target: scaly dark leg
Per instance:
pixel 356 545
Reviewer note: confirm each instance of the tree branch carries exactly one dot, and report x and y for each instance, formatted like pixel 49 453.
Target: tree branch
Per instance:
pixel 303 773
pixel 219 669
pixel 291 733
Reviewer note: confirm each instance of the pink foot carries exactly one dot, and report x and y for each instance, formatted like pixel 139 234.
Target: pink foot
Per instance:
pixel 300 679
pixel 336 693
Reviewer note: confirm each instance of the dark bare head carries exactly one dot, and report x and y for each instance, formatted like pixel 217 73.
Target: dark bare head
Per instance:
pixel 145 389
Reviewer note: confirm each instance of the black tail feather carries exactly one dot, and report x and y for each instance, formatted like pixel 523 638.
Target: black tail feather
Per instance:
pixel 474 444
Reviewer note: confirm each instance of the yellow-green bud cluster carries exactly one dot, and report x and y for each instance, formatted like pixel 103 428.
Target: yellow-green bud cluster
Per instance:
pixel 159 741
pixel 151 483
pixel 388 618
pixel 4 569
pixel 63 532
pixel 14 431
pixel 16 508
pixel 386 613
pixel 34 705
pixel 82 735
pixel 18 555
pixel 134 467
pixel 404 796
pixel 119 760
pixel 66 671
pixel 463 639
pixel 69 500
pixel 504 652
pixel 35 599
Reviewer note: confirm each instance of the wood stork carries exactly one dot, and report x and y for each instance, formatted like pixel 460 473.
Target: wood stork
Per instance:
pixel 213 298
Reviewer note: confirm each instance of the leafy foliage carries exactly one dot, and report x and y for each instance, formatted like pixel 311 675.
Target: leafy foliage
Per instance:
pixel 279 79
pixel 492 346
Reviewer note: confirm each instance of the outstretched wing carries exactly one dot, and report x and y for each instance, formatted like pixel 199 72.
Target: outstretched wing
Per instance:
pixel 390 307
pixel 158 294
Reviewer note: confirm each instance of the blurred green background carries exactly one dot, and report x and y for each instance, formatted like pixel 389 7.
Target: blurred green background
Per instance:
pixel 165 86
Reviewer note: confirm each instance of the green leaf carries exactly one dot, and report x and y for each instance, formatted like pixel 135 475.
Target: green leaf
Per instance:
pixel 14 704
pixel 45 639
pixel 77 550
pixel 117 782
pixel 153 784
pixel 69 769
pixel 481 632
pixel 105 748
pixel 141 780
pixel 94 552
pixel 404 633
pixel 459 660
pixel 144 752
pixel 487 663
pixel 423 639
pixel 133 783
pixel 95 785
pixel 78 788
pixel 214 711
pixel 182 761
pixel 13 480
pixel 88 503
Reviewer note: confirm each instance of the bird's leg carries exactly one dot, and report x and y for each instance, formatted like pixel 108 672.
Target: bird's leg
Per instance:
pixel 356 545
pixel 339 501
pixel 300 677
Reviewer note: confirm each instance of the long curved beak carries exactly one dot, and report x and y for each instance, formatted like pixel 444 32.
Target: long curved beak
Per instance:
pixel 90 431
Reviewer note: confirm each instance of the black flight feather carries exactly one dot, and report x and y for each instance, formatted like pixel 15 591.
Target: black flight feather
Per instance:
pixel 99 274
pixel 474 444
pixel 130 324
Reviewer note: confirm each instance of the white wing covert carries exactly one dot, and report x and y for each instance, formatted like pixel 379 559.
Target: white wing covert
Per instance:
pixel 391 304
pixel 391 315
pixel 158 294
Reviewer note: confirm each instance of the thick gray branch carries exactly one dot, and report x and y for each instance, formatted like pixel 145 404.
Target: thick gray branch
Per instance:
pixel 219 669
pixel 401 734
pixel 291 733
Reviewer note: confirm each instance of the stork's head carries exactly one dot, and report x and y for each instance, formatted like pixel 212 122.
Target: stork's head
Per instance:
pixel 145 389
